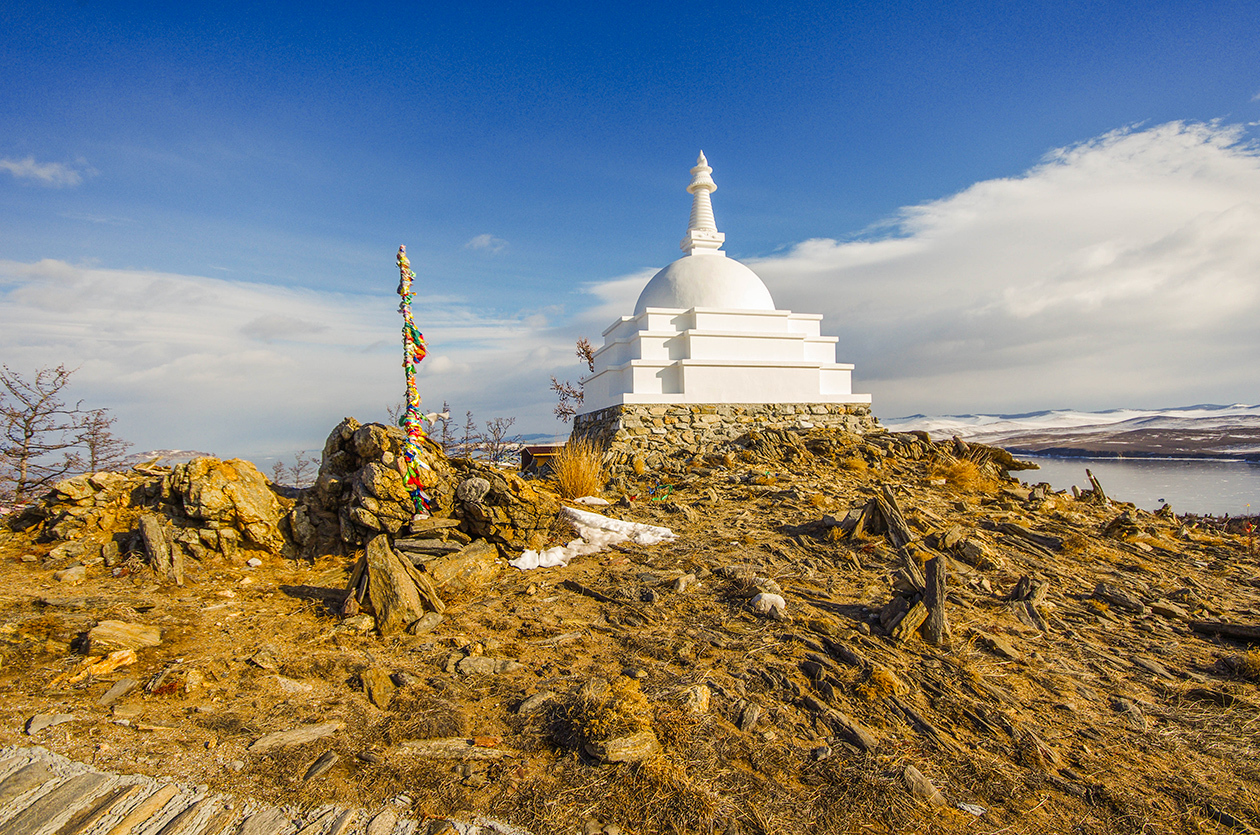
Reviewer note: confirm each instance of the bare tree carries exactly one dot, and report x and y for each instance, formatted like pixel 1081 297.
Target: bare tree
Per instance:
pixel 301 473
pixel 497 442
pixel 40 431
pixel 471 440
pixel 104 450
pixel 569 397
pixel 445 434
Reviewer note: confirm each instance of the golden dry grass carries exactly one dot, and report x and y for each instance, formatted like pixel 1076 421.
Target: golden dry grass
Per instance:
pixel 578 469
pixel 961 475
pixel 1248 665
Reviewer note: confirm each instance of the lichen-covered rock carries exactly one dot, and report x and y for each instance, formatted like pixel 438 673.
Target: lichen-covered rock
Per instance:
pixel 510 511
pixel 361 492
pixel 76 488
pixel 231 493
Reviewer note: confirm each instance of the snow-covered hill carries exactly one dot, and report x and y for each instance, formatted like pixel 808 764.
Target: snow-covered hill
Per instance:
pixel 1202 431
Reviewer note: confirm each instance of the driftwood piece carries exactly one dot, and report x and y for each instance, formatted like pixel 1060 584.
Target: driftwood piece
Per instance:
pixel 1099 496
pixel 899 533
pixel 935 629
pixel 391 588
pixel 909 623
pixel 1052 543
pixel 355 589
pixel 167 562
pixel 844 725
pixel 1234 631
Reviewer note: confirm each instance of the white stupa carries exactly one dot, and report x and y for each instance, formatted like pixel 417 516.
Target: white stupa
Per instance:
pixel 705 331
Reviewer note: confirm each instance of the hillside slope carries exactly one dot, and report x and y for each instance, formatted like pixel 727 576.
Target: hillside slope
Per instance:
pixel 1082 683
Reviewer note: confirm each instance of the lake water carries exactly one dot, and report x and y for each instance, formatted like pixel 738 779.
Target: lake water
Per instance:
pixel 1189 485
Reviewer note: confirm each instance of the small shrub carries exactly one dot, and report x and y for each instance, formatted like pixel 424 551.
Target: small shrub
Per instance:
pixel 962 475
pixel 601 711
pixel 1075 543
pixel 1248 666
pixel 855 464
pixel 578 469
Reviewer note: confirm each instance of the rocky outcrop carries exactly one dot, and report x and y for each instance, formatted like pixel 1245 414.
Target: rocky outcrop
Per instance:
pixel 172 519
pixel 360 491
pixel 502 507
pixel 230 494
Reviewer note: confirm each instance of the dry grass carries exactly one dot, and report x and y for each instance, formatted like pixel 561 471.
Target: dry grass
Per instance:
pixel 1075 543
pixel 879 683
pixel 578 469
pixel 602 712
pixel 961 475
pixel 1247 666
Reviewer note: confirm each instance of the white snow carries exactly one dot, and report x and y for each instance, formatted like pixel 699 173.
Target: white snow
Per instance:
pixel 595 533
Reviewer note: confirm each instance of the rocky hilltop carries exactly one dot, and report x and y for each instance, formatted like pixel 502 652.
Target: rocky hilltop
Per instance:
pixel 879 632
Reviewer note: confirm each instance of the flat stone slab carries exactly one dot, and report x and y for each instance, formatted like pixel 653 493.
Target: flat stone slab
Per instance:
pixel 42 793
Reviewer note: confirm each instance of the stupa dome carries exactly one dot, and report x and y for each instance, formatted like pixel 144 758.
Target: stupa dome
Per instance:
pixel 704 277
pixel 710 280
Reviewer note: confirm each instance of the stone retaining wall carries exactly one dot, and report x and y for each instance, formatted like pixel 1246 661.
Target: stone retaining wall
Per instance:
pixel 654 428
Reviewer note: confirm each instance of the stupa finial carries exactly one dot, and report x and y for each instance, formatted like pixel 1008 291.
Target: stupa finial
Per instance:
pixel 702 234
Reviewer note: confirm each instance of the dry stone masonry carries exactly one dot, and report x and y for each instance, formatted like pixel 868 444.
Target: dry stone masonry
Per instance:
pixel 662 429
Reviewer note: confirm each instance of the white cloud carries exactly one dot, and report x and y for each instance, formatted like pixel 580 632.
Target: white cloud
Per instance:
pixel 240 368
pixel 1123 271
pixel 55 174
pixel 487 242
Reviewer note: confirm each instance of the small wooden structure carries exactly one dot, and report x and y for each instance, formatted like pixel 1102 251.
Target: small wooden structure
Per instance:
pixel 535 458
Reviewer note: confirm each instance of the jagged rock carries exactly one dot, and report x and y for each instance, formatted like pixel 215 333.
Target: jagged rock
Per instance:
pixel 72 575
pixel 394 595
pixel 769 605
pixel 469 568
pixel 533 704
pixel 511 512
pixel 75 489
pixel 233 493
pixel 379 687
pixel 922 788
pixel 481 665
pixel 360 490
pixel 625 749
pixel 296 736
pixel 168 566
pixel 472 489
pixel 110 635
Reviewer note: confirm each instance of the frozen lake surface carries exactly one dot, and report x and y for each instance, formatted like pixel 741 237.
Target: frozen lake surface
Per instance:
pixel 1189 485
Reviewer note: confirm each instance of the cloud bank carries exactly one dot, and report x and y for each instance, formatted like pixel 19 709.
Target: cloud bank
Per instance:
pixel 54 174
pixel 1123 271
pixel 252 369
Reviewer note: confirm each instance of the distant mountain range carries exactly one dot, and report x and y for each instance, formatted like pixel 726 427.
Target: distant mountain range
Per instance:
pixel 164 457
pixel 1203 431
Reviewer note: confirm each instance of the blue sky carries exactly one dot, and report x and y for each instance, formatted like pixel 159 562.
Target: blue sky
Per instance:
pixel 197 165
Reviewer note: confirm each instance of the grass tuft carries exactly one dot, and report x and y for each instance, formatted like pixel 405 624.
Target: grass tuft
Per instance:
pixel 962 476
pixel 578 469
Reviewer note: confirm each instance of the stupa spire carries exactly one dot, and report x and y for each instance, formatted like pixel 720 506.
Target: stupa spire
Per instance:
pixel 702 237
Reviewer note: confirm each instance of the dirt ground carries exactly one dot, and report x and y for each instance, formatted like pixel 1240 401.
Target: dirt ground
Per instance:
pixel 1116 717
